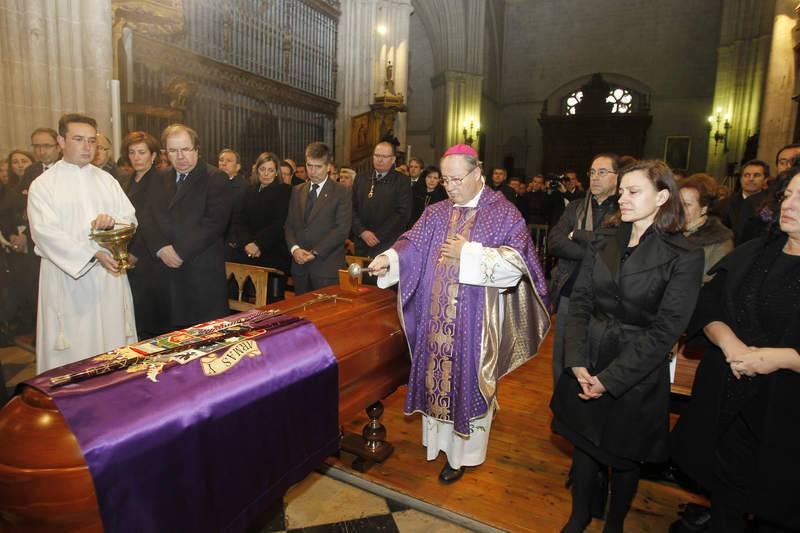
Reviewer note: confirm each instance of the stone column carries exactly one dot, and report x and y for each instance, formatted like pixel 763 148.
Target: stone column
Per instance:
pixel 362 56
pixel 742 58
pixel 779 111
pixel 457 96
pixel 57 58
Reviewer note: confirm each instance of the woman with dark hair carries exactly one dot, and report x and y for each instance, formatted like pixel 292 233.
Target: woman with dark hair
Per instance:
pixel 633 297
pixel 427 190
pixel 698 194
pixel 141 150
pixel 265 205
pixel 18 161
pixel 739 437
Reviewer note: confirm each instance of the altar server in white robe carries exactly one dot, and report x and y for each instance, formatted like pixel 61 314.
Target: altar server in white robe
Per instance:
pixel 85 303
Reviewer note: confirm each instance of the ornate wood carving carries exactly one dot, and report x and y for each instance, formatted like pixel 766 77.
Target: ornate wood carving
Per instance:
pixel 152 17
pixel 184 63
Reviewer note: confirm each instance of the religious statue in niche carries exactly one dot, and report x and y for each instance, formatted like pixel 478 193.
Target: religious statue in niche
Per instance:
pixel 388 85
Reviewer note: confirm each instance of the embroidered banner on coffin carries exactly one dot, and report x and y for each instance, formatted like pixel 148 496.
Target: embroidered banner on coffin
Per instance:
pixel 204 440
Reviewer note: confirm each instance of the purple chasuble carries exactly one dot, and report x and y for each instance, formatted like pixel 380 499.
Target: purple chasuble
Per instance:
pixel 443 319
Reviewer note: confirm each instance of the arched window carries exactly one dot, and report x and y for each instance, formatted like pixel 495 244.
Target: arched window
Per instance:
pixel 622 100
pixel 573 100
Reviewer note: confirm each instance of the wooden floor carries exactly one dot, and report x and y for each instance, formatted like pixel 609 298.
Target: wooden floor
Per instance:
pixel 520 487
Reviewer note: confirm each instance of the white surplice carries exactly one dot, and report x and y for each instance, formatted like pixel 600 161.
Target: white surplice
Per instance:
pixel 438 435
pixel 84 309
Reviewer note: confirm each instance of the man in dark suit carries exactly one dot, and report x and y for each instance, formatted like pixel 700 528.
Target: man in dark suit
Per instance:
pixel 320 214
pixel 230 163
pixel 184 226
pixel 381 204
pixel 744 204
pixel 498 183
pixel 47 152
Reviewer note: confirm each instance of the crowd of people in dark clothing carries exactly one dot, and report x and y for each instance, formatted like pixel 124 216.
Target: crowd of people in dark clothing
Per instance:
pixel 634 247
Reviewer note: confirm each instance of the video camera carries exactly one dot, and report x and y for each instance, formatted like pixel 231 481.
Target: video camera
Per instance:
pixel 554 180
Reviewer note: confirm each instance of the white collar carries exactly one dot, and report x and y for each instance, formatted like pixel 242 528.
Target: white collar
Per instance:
pixel 321 185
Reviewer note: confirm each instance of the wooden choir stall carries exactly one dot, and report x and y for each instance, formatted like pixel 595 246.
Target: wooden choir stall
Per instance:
pixel 46 485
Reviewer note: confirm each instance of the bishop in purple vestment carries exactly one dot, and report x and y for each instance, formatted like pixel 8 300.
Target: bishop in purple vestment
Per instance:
pixel 472 305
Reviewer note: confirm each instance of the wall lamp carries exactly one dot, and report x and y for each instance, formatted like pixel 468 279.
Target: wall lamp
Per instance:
pixel 718 126
pixel 472 128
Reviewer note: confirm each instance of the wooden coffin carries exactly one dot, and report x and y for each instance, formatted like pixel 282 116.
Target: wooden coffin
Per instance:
pixel 45 484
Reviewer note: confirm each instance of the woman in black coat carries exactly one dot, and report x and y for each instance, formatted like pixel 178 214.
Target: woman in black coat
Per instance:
pixel 426 191
pixel 265 205
pixel 633 297
pixel 142 150
pixel 740 434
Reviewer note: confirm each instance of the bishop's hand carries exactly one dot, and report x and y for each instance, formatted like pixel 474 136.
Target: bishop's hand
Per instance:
pixel 451 248
pixel 379 266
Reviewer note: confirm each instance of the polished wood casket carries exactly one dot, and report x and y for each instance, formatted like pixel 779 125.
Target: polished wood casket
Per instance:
pixel 45 484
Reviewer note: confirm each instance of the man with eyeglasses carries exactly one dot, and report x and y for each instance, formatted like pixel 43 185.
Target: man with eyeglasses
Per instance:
pixel 571 235
pixel 102 160
pixel 381 204
pixel 184 226
pixel 85 305
pixel 47 152
pixel 473 301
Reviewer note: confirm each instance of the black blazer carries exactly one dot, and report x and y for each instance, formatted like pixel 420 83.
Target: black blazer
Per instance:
pixel 263 216
pixel 326 230
pixel 192 219
pixel 623 321
pixel 386 214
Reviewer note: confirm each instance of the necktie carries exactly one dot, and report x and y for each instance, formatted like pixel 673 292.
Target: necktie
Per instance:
pixel 181 179
pixel 312 197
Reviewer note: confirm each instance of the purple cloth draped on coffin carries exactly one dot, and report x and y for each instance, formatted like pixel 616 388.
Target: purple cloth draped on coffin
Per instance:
pixel 197 453
pixel 497 222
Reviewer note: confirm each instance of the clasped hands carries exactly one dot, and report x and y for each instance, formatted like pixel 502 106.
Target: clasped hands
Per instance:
pixel 302 256
pixel 19 243
pixel 591 388
pixel 252 250
pixel 748 360
pixel 170 257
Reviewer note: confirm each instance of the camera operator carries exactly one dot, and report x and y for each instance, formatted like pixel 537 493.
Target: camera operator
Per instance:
pixel 571 188
pixel 541 205
pixel 571 235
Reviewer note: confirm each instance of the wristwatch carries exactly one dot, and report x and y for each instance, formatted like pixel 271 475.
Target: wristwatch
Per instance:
pixel 570 235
